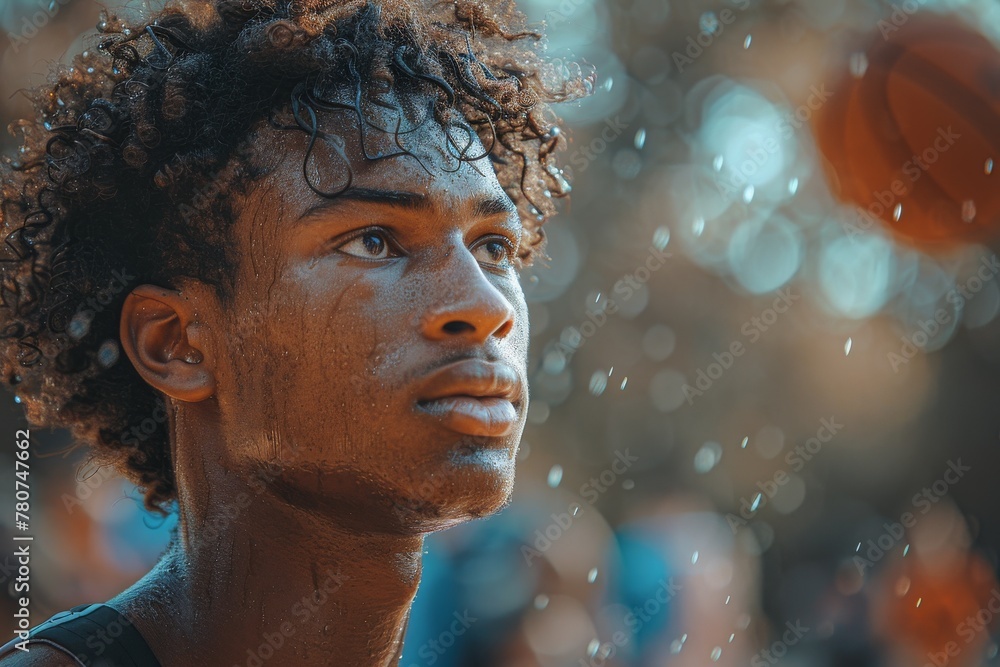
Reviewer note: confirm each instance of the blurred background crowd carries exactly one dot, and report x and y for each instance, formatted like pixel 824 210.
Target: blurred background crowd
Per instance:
pixel 763 426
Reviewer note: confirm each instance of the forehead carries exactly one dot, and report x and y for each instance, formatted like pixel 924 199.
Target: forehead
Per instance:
pixel 392 149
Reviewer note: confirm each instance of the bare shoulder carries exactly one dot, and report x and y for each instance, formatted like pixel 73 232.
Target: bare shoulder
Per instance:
pixel 38 655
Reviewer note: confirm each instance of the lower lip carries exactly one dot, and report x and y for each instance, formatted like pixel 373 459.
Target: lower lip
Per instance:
pixel 481 416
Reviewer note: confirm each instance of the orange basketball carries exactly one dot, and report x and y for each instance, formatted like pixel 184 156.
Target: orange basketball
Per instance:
pixel 956 606
pixel 912 129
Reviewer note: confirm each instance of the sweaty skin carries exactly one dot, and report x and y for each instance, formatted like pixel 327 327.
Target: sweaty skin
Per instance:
pixel 303 458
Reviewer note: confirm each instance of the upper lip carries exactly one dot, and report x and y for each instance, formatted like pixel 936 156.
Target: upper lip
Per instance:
pixel 477 378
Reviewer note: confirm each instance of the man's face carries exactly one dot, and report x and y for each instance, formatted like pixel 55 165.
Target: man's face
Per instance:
pixel 350 314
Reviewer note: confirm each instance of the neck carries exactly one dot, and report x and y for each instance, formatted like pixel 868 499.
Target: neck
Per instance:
pixel 248 579
pixel 316 595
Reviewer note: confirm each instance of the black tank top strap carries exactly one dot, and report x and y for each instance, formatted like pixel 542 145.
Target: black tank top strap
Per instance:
pixel 95 635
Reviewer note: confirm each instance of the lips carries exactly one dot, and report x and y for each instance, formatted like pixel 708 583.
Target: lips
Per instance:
pixel 473 397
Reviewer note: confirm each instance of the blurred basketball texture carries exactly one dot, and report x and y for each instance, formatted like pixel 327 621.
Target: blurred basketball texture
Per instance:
pixel 912 130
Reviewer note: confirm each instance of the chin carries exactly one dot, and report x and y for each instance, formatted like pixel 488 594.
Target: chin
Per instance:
pixel 474 479
pixel 475 484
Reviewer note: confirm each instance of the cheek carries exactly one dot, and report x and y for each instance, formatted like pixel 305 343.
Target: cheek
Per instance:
pixel 332 354
pixel 520 335
pixel 333 343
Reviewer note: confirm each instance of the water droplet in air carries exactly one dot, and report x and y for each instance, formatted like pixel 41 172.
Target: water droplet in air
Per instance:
pixel 598 383
pixel 624 382
pixel 555 476
pixel 728 598
pixel 718 162
pixel 988 168
pixel 611 371
pixel 661 237
pixel 592 576
pixel 541 601
pixel 906 550
pixel 694 558
pixel 708 23
pixel 628 485
pixel 17 399
pixel 716 654
pixel 640 139
pixel 793 186
pixel 968 210
pixel 107 354
pixel 858 65
pixel 756 502
pixel 746 439
pixel 847 346
pixel 857 548
pixel 746 42
pixel 919 600
pixel 897 212
pixel 707 457
pixel 676 646
pixel 79 325
pixel 592 647
pixel 748 193
pixel 698 226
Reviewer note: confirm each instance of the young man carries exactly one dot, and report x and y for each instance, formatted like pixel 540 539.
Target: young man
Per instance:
pixel 259 257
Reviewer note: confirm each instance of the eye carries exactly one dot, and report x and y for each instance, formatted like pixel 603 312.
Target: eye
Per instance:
pixel 497 250
pixel 369 244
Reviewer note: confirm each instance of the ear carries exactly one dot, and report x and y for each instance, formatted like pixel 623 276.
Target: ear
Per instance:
pixel 167 344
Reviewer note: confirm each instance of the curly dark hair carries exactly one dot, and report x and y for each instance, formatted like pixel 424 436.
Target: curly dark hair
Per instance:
pixel 119 177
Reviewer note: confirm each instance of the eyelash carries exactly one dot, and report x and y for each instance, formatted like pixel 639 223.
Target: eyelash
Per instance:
pixel 394 247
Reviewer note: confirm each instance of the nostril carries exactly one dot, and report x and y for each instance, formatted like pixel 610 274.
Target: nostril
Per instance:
pixel 458 326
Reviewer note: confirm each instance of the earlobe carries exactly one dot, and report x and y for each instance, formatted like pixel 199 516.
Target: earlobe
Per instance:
pixel 161 336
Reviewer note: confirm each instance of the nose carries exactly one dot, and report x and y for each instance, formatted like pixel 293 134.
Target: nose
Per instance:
pixel 468 306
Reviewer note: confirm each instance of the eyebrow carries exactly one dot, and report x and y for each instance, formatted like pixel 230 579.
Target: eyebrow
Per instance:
pixel 487 208
pixel 413 201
